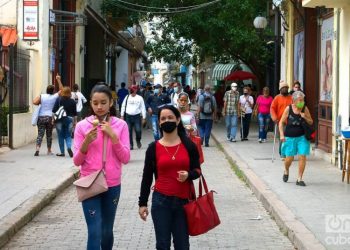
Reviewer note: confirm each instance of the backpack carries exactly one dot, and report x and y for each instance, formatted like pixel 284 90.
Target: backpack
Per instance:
pixel 207 107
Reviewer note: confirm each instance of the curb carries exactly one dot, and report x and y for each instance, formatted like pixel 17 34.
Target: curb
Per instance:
pixel 25 212
pixel 300 236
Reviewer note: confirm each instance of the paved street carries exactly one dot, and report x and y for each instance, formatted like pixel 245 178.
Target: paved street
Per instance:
pixel 245 223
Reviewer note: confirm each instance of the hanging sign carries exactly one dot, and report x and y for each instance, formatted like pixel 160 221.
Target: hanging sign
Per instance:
pixel 30 20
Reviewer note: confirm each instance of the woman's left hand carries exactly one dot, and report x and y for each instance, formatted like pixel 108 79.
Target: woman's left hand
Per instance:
pixel 183 175
pixel 106 128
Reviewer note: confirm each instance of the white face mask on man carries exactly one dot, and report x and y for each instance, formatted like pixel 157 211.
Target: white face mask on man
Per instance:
pixel 234 88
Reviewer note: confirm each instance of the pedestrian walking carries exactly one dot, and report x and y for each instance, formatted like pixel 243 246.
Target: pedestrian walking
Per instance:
pixel 174 161
pixel 65 124
pixel 296 87
pixel 134 113
pixel 122 93
pixel 230 112
pixel 262 108
pixel 219 98
pixel 152 104
pixel 90 133
pixel 278 105
pixel 246 103
pixel 79 99
pixel 207 114
pixel 187 117
pixel 293 135
pixel 45 122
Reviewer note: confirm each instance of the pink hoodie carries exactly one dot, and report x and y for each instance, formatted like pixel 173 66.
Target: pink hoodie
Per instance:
pixel 117 154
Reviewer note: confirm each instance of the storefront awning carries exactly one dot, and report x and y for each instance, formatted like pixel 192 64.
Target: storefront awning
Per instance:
pixel 8 35
pixel 222 70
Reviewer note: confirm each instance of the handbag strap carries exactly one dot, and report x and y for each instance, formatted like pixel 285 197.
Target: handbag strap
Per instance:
pixel 202 179
pixel 104 153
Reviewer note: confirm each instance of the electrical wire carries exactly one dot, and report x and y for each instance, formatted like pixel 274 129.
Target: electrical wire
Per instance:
pixel 167 8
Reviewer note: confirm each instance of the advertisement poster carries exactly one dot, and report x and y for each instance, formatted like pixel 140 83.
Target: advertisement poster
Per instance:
pixel 326 72
pixel 30 20
pixel 299 58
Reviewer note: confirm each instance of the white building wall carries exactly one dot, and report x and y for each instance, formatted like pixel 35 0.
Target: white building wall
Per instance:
pixel 8 12
pixel 344 66
pixel 122 63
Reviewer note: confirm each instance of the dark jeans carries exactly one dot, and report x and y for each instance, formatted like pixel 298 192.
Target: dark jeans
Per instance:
pixel 264 120
pixel 205 126
pixel 246 123
pixel 134 121
pixel 64 129
pixel 99 212
pixel 169 218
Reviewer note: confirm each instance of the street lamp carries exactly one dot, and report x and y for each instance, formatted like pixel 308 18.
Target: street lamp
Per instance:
pixel 260 23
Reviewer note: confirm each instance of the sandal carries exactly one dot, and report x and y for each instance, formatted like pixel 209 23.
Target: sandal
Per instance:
pixel 285 177
pixel 36 153
pixel 59 154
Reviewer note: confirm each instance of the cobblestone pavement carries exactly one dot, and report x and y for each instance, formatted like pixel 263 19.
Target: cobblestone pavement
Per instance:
pixel 244 222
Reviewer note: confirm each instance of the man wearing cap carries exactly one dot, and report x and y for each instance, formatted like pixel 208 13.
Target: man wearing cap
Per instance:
pixel 133 111
pixel 230 111
pixel 279 104
pixel 152 104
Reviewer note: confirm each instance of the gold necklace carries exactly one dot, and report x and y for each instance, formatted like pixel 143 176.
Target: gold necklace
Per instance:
pixel 172 157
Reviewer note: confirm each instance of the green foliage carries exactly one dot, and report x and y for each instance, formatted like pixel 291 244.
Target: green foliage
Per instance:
pixel 3 120
pixel 223 31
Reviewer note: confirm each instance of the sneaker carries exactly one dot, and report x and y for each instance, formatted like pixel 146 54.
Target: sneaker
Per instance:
pixel 260 140
pixel 233 140
pixel 301 183
pixel 139 145
pixel 228 138
pixel 263 140
pixel 36 153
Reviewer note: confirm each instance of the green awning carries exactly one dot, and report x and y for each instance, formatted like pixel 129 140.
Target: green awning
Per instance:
pixel 222 70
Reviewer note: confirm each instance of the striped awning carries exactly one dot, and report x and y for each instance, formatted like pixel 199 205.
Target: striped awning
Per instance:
pixel 222 70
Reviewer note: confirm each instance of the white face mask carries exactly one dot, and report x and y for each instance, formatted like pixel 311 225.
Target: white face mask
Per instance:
pixel 234 88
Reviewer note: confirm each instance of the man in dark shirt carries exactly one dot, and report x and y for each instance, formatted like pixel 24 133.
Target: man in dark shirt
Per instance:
pixel 152 105
pixel 122 92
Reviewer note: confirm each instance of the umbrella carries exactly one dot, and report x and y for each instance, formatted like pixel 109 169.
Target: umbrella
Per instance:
pixel 239 75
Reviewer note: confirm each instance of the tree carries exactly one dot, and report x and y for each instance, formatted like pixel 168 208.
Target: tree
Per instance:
pixel 223 31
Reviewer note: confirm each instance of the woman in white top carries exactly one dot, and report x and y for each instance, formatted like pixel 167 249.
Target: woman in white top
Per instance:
pixel 45 122
pixel 187 117
pixel 246 102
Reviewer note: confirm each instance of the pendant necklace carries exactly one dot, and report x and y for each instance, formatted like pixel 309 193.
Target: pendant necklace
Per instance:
pixel 172 157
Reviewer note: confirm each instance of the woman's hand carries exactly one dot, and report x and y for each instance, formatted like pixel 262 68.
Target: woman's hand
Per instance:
pixel 91 136
pixel 106 128
pixel 183 175
pixel 282 139
pixel 143 212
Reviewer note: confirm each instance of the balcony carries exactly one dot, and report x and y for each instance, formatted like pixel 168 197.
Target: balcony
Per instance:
pixel 326 3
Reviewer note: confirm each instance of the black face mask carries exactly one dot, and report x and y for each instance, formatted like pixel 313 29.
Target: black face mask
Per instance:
pixel 168 127
pixel 245 94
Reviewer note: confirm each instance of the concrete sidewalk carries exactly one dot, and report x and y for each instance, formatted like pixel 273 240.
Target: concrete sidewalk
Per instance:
pixel 29 183
pixel 306 214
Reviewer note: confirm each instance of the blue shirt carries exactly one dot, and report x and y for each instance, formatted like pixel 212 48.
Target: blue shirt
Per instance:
pixel 121 95
pixel 154 101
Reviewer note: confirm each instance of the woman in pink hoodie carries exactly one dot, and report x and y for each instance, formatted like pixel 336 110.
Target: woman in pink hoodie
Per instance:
pixel 100 210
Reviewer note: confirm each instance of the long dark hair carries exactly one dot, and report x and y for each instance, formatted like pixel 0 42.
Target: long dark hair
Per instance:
pixel 102 88
pixel 180 127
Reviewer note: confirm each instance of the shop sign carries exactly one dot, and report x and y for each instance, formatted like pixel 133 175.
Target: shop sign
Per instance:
pixel 30 20
pixel 326 62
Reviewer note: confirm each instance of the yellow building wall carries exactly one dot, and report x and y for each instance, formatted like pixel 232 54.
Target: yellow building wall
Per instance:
pixel 290 45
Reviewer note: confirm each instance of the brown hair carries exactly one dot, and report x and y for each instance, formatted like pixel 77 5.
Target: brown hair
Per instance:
pixel 66 92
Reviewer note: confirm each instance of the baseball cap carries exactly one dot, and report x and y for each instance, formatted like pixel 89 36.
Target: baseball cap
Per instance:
pixel 157 86
pixel 233 84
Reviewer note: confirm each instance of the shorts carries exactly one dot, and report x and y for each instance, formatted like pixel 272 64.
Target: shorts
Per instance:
pixel 295 146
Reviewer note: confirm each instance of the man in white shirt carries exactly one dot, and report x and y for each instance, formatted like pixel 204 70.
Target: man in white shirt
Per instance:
pixel 174 96
pixel 133 111
pixel 246 103
pixel 79 99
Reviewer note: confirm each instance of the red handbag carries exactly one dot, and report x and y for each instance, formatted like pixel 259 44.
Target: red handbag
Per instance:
pixel 197 140
pixel 201 213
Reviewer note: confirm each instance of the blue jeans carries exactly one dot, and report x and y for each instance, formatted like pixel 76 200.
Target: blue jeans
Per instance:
pixel 99 212
pixel 134 121
pixel 231 126
pixel 64 129
pixel 205 126
pixel 264 121
pixel 169 219
pixel 155 127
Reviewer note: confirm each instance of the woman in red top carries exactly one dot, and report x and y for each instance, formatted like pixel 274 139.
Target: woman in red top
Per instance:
pixel 174 161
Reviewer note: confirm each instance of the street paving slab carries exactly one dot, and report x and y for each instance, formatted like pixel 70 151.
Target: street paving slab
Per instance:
pixel 245 224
